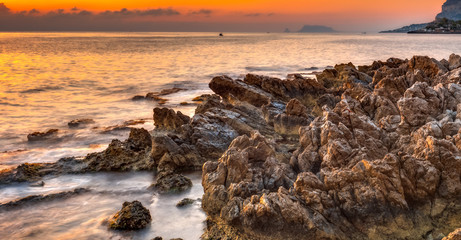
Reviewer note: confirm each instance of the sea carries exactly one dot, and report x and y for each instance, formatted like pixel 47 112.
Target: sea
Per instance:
pixel 50 79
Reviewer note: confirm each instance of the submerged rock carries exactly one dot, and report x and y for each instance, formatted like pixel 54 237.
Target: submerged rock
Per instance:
pixel 41 136
pixel 76 123
pixel 41 198
pixel 132 216
pixel 185 202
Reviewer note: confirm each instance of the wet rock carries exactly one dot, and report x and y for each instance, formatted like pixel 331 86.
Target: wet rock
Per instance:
pixel 37 184
pixel 185 202
pixel 41 136
pixel 138 98
pixel 168 119
pixel 157 238
pixel 171 182
pixel 157 96
pixel 29 200
pixel 76 123
pixel 131 154
pixel 229 89
pixel 132 216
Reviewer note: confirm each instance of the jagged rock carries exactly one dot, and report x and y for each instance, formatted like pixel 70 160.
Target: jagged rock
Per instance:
pixel 296 108
pixel 76 123
pixel 171 182
pixel 430 67
pixel 454 61
pixel 41 136
pixel 165 118
pixel 41 198
pixel 381 163
pixel 455 235
pixel 185 202
pixel 132 216
pixel 131 154
pixel 230 89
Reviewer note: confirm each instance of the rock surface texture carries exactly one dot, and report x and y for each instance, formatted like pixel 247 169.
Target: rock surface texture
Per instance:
pixel 378 158
pixel 132 216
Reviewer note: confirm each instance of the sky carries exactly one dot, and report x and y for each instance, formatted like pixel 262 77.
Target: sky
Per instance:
pixel 212 15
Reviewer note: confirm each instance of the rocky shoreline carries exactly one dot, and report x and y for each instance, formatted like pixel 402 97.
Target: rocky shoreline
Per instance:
pixel 367 152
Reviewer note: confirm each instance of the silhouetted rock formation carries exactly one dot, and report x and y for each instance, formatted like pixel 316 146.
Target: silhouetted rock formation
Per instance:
pixel 316 29
pixel 451 9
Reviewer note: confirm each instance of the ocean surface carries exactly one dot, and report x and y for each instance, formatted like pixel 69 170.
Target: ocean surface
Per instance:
pixel 49 79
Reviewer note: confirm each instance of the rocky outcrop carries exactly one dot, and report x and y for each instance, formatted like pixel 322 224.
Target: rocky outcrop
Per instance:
pixel 131 154
pixel 171 182
pixel 41 136
pixel 132 216
pixel 77 123
pixel 33 199
pixel 381 163
pixel 168 119
pixel 451 9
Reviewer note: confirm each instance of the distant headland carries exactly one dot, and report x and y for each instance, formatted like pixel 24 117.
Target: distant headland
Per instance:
pixel 446 22
pixel 313 29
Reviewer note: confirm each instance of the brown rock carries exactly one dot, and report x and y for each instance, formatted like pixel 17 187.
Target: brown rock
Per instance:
pixel 454 61
pixel 41 136
pixel 168 119
pixel 132 216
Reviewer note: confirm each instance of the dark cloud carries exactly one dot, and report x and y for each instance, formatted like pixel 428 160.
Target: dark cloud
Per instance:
pixel 205 12
pixel 34 11
pixel 150 12
pixel 258 14
pixel 4 9
pixel 80 20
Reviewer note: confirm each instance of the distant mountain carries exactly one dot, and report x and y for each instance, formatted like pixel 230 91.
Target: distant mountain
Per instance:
pixel 451 9
pixel 316 29
pixel 412 27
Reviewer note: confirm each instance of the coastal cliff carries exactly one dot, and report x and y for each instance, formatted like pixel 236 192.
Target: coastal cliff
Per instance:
pixel 451 9
pixel 367 152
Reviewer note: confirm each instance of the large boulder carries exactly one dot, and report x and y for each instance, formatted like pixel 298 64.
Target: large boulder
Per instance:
pixel 132 216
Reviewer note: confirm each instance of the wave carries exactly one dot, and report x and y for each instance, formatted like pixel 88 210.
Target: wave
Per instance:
pixel 262 69
pixel 42 89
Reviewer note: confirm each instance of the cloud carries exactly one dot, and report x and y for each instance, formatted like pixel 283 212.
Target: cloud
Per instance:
pixel 77 19
pixel 34 11
pixel 204 12
pixel 258 14
pixel 4 9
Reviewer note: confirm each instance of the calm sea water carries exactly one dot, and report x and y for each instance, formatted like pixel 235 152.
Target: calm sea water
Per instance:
pixel 49 79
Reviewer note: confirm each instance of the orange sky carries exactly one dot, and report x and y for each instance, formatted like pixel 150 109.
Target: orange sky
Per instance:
pixel 336 13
